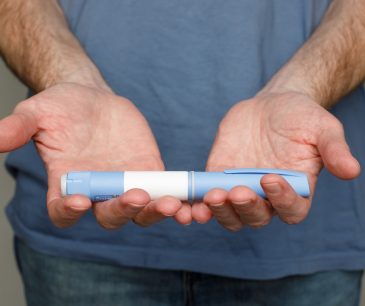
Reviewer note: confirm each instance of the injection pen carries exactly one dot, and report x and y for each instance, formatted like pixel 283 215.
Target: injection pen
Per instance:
pixel 184 185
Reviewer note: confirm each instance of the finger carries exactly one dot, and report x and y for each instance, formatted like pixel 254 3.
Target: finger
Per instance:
pixel 158 210
pixel 336 154
pixel 223 211
pixel 201 213
pixel 183 216
pixel 16 130
pixel 66 211
pixel 116 212
pixel 290 207
pixel 251 209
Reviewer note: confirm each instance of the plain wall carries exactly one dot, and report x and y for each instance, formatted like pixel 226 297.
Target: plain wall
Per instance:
pixel 11 291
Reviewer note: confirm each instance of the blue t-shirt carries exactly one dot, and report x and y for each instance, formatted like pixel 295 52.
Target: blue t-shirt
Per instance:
pixel 184 64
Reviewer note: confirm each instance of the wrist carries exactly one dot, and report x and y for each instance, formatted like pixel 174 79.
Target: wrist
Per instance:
pixel 290 79
pixel 85 74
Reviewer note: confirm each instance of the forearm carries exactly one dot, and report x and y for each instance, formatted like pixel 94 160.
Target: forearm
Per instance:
pixel 38 46
pixel 332 62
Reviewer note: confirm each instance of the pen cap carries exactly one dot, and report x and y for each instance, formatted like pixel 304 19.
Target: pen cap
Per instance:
pixel 204 181
pixel 98 186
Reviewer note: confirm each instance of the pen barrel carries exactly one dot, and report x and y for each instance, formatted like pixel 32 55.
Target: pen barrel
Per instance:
pixel 205 181
pixel 159 183
pixel 184 185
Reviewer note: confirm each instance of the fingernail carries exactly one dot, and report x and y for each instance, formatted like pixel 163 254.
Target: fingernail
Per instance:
pixel 216 204
pixel 243 203
pixel 137 206
pixel 187 224
pixel 77 208
pixel 273 188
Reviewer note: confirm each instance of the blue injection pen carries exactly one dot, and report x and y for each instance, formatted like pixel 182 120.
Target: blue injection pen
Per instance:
pixel 184 185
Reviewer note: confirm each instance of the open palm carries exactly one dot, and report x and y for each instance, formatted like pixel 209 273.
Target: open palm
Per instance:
pixel 287 131
pixel 81 128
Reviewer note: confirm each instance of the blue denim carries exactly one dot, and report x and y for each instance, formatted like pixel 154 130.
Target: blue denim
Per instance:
pixel 59 281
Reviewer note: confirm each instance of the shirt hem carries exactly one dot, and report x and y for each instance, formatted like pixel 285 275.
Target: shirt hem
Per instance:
pixel 230 266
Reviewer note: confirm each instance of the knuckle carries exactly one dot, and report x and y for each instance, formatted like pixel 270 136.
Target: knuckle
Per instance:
pixel 303 211
pixel 295 217
pixel 160 209
pixel 105 222
pixel 107 225
pixel 98 209
pixel 61 225
pixel 281 206
pixel 245 208
pixel 168 206
pixel 260 224
pixel 130 211
pixel 71 214
pixel 293 220
pixel 285 200
pixel 234 227
pixel 62 221
pixel 140 223
pixel 166 211
pixel 121 211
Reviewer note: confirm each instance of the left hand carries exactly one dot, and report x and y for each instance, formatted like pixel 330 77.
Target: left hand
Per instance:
pixel 274 130
pixel 79 127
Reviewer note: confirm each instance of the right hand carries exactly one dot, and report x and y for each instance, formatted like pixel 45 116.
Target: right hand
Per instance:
pixel 77 127
pixel 285 130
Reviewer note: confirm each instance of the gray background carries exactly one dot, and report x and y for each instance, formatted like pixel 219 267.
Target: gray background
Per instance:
pixel 11 291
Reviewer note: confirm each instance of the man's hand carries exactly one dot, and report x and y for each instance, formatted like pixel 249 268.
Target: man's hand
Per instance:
pixel 286 125
pixel 77 123
pixel 287 131
pixel 77 127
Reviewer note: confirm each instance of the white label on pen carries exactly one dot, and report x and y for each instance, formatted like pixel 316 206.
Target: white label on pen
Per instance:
pixel 158 183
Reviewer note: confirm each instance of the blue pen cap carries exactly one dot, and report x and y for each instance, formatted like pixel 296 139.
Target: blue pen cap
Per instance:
pixel 98 186
pixel 205 181
pixel 76 183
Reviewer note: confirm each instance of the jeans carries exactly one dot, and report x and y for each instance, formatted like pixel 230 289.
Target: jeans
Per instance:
pixel 57 281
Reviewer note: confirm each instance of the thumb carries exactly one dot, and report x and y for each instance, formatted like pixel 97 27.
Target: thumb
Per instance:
pixel 336 154
pixel 16 130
